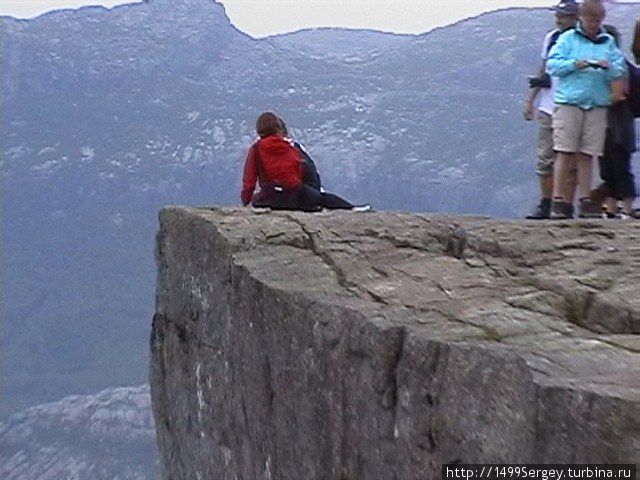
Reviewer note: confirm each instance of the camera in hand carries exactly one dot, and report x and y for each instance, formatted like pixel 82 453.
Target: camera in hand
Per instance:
pixel 594 64
pixel 541 81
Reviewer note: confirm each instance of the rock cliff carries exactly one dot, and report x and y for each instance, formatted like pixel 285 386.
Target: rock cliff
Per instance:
pixel 380 346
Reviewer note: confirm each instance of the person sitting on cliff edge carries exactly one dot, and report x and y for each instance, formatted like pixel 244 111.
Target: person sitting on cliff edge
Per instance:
pixel 310 175
pixel 275 164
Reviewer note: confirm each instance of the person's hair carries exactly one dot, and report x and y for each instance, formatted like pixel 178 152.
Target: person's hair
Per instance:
pixel 592 5
pixel 613 31
pixel 267 124
pixel 283 127
pixel 635 46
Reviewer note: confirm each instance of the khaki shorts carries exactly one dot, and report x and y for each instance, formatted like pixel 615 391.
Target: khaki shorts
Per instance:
pixel 546 155
pixel 577 130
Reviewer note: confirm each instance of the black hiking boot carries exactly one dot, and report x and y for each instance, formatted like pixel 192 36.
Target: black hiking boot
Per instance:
pixel 542 211
pixel 561 211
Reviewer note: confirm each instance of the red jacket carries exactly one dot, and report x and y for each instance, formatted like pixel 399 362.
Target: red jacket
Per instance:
pixel 280 164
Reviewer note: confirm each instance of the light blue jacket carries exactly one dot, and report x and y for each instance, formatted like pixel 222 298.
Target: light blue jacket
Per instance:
pixel 589 87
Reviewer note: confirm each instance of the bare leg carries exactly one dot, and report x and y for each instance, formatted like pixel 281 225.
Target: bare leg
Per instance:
pixel 543 210
pixel 565 163
pixel 571 184
pixel 546 186
pixel 583 162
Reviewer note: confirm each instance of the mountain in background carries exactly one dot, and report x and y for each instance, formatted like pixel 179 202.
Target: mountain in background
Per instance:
pixel 107 115
pixel 106 436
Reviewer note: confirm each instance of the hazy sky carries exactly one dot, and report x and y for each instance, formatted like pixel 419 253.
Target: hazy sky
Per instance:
pixel 265 17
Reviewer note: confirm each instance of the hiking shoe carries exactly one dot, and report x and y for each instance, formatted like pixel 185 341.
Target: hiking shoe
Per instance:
pixel 361 208
pixel 542 211
pixel 561 210
pixel 589 209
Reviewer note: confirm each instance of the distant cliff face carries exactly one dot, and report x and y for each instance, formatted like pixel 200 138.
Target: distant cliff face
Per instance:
pixel 379 346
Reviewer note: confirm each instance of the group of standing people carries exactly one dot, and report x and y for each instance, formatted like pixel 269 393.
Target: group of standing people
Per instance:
pixel 584 114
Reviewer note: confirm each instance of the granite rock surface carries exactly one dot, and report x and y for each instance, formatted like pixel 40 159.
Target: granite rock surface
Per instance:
pixel 382 345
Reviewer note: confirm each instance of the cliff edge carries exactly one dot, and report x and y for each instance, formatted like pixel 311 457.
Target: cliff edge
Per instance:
pixel 379 346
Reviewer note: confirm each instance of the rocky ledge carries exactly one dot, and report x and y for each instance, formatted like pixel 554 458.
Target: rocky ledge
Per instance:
pixel 379 346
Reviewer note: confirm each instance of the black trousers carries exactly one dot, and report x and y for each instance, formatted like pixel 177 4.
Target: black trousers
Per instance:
pixel 615 171
pixel 305 198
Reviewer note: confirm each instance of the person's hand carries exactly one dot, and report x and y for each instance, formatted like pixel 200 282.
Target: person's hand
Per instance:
pixel 581 64
pixel 529 110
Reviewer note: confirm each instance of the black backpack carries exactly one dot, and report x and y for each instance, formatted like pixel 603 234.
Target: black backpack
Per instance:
pixel 554 39
pixel 310 175
pixel 544 80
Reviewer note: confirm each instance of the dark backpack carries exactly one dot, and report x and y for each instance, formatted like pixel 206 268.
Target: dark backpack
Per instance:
pixel 310 175
pixel 554 39
pixel 634 88
pixel 544 80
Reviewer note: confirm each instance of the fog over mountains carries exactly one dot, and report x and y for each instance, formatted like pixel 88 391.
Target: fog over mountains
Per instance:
pixel 107 115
